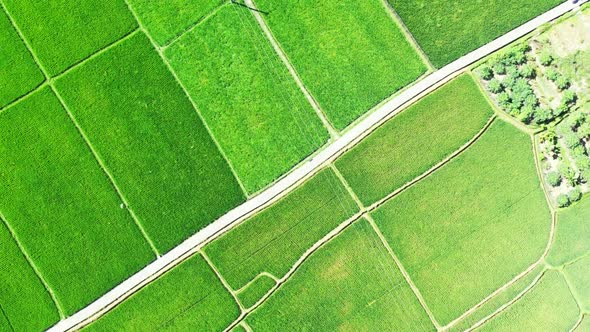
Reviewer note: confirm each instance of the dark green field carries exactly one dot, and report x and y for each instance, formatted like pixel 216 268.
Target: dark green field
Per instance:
pixel 152 141
pixel 572 234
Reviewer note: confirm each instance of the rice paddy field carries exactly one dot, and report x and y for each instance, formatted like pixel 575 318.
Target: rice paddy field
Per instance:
pixel 129 126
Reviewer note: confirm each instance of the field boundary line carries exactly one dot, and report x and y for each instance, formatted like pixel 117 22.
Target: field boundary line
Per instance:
pixel 24 97
pixel 409 36
pixel 577 323
pixel 222 279
pixel 106 171
pixel 190 99
pixel 572 291
pixel 246 326
pixel 403 271
pixel 301 172
pixel 294 74
pixel 258 276
pixel 193 26
pixel 33 266
pixel 7 319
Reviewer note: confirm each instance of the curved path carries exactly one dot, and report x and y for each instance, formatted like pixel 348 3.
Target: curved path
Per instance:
pixel 301 173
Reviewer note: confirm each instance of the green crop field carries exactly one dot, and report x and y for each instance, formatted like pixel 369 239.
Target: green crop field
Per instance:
pixel 64 32
pixel 254 292
pixel 152 141
pixel 190 297
pixel 18 72
pixel 415 140
pixel 472 225
pixel 354 54
pixel 275 238
pixel 572 234
pixel 549 306
pixel 261 119
pixel 165 20
pixel 61 205
pixel 25 305
pixel 446 30
pixel 350 284
pixel 579 275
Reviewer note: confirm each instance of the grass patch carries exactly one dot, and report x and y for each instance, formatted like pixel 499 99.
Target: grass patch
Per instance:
pixel 471 226
pixel 18 72
pixel 275 238
pixel 415 140
pixel 572 234
pixel 549 306
pixel 579 275
pixel 448 30
pixel 167 19
pixel 350 284
pixel 256 290
pixel 354 54
pixel 25 304
pixel 64 32
pixel 255 110
pixel 189 297
pixel 152 141
pixel 61 205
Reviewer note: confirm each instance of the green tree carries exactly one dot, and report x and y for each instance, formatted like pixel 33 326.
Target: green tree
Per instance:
pixel 553 179
pixel 543 115
pixel 551 74
pixel 546 58
pixel 562 200
pixel 575 195
pixel 562 82
pixel 494 86
pixel 499 68
pixel 527 71
pixel 568 174
pixel 582 163
pixel 513 71
pixel 486 72
pixel 504 99
pixel 569 97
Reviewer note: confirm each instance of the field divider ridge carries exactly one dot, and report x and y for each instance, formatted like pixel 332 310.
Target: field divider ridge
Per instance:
pixel 33 266
pixel 409 36
pixel 222 279
pixel 190 99
pixel 285 59
pixel 300 173
pixel 260 275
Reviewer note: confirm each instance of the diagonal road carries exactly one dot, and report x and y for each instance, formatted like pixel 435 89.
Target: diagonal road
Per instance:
pixel 301 173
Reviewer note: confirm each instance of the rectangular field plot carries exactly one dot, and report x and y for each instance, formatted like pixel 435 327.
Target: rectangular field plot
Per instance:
pixel 189 297
pixel 447 30
pixel 579 276
pixel 152 141
pixel 165 20
pixel 64 32
pixel 472 225
pixel 61 205
pixel 571 234
pixel 350 54
pixel 18 72
pixel 25 304
pixel 259 116
pixel 415 140
pixel 549 306
pixel 275 238
pixel 350 284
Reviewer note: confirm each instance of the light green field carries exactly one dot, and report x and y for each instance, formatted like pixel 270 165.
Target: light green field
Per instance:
pixel 472 225
pixel 256 291
pixel 152 141
pixel 190 297
pixel 350 284
pixel 25 304
pixel 349 54
pixel 259 116
pixel 274 239
pixel 165 20
pixel 415 140
pixel 18 72
pixel 549 306
pixel 446 30
pixel 64 32
pixel 584 325
pixel 579 276
pixel 572 234
pixel 61 205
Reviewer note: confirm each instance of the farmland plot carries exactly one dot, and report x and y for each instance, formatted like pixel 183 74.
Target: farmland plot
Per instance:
pixel 349 284
pixel 165 20
pixel 274 239
pixel 25 304
pixel 415 140
pixel 18 72
pixel 255 110
pixel 579 275
pixel 446 30
pixel 61 205
pixel 350 54
pixel 152 141
pixel 189 297
pixel 549 306
pixel 572 234
pixel 64 32
pixel 471 226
